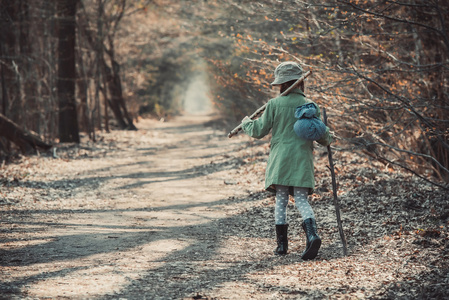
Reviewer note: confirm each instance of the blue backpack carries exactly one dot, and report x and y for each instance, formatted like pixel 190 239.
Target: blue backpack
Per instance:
pixel 308 126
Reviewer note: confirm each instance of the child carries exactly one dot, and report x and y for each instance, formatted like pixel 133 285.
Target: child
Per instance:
pixel 290 168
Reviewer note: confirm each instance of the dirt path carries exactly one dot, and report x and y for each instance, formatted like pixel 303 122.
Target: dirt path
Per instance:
pixel 145 209
pixel 176 211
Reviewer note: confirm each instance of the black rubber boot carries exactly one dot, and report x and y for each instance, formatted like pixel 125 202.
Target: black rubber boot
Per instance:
pixel 282 240
pixel 313 243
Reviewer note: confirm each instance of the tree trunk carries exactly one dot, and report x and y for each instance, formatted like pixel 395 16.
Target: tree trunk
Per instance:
pixel 27 141
pixel 119 96
pixel 27 69
pixel 3 84
pixel 8 57
pixel 82 92
pixel 112 91
pixel 68 121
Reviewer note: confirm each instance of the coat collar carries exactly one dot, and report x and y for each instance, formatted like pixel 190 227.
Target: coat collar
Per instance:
pixel 298 91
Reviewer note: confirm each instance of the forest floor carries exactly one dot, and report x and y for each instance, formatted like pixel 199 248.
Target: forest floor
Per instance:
pixel 176 210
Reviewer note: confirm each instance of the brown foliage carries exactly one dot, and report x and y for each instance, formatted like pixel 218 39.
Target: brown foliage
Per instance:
pixel 380 67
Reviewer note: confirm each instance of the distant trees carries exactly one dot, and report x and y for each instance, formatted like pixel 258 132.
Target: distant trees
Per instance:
pixel 382 66
pixel 26 58
pixel 57 65
pixel 97 26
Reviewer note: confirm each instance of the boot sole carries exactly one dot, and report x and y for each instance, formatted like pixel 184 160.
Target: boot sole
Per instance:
pixel 312 252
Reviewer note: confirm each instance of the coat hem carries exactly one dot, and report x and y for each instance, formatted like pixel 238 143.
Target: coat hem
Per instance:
pixel 272 189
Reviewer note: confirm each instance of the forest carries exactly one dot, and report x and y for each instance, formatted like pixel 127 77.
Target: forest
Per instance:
pixel 83 66
pixel 89 78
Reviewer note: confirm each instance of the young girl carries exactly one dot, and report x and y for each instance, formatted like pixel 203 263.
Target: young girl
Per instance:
pixel 290 168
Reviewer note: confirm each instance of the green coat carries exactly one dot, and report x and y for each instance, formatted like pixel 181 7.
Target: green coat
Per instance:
pixel 290 162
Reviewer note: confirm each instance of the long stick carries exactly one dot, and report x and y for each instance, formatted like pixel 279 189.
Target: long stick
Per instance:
pixel 262 108
pixel 334 188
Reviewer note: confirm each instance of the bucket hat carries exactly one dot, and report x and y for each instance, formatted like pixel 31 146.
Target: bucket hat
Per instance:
pixel 287 71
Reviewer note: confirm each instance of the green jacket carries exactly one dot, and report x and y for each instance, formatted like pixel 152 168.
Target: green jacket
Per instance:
pixel 290 162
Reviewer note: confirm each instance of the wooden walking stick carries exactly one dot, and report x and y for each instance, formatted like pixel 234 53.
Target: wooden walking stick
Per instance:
pixel 262 108
pixel 334 188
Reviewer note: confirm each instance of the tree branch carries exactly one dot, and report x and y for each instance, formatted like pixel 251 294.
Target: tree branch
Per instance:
pixel 409 152
pixel 408 105
pixel 413 172
pixel 439 31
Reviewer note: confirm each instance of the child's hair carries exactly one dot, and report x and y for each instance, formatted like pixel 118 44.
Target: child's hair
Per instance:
pixel 287 84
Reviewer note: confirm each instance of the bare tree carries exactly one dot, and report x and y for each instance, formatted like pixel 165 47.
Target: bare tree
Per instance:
pixel 68 121
pixel 383 65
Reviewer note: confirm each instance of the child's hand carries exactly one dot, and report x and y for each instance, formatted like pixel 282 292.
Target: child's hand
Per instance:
pixel 246 119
